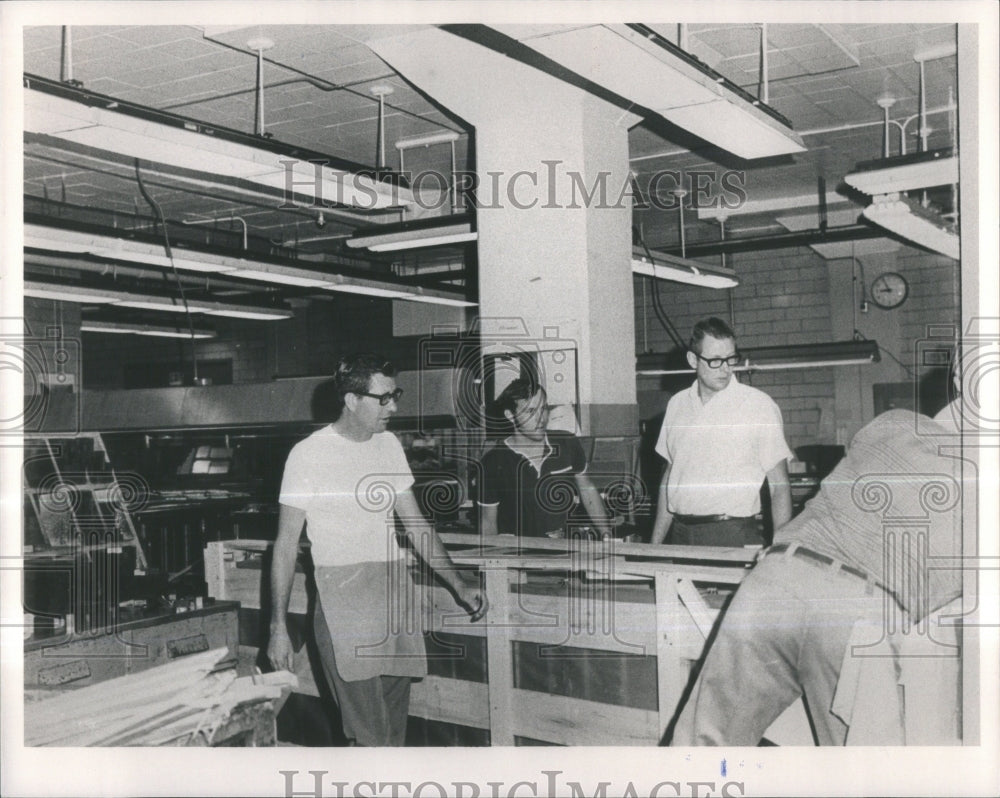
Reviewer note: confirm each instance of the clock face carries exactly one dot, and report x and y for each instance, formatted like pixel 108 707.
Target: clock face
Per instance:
pixel 889 290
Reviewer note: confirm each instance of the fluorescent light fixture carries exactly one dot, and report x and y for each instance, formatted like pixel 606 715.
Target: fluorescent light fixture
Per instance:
pixel 65 294
pixel 433 232
pixel 237 312
pixel 444 137
pixel 681 270
pixel 639 67
pixel 76 242
pixel 190 145
pixel 125 299
pixel 429 241
pixel 282 275
pixel 435 299
pixel 416 294
pixel 782 358
pixel 369 290
pixel 908 174
pixel 126 328
pixel 908 220
pixel 58 239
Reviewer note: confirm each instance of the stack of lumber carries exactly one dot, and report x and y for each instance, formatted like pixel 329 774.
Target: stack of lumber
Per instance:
pixel 180 703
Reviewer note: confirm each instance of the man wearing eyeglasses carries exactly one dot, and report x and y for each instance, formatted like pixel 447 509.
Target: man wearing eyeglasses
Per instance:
pixel 529 480
pixel 720 439
pixel 342 484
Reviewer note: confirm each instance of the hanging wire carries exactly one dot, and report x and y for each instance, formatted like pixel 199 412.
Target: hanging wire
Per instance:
pixel 170 256
pixel 859 336
pixel 661 315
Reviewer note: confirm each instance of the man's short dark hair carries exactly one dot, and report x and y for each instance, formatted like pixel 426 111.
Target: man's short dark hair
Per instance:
pixel 354 374
pixel 520 390
pixel 713 326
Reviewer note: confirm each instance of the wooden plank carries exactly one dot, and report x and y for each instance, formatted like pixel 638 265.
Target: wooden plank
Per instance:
pixel 669 553
pixel 575 721
pixel 451 701
pixel 620 627
pixel 671 671
pixel 727 575
pixel 499 657
pixel 703 616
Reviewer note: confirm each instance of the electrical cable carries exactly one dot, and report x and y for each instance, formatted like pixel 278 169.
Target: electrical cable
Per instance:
pixel 859 336
pixel 661 315
pixel 170 256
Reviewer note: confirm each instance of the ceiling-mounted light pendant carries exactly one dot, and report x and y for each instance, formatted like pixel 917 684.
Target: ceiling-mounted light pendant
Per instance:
pixel 135 131
pixel 908 220
pixel 437 231
pixel 662 266
pixel 152 330
pixel 781 358
pixel 126 299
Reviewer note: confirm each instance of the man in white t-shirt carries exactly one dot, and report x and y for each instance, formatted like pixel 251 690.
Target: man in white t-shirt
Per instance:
pixel 720 439
pixel 343 484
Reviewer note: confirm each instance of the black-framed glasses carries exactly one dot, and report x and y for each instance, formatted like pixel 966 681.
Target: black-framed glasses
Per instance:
pixel 716 362
pixel 383 398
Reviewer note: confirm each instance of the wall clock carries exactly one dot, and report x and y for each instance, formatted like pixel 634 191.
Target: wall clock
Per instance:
pixel 889 290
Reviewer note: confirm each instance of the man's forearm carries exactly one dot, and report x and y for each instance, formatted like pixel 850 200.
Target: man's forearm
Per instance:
pixel 663 515
pixel 282 576
pixel 432 551
pixel 283 558
pixel 781 505
pixel 594 505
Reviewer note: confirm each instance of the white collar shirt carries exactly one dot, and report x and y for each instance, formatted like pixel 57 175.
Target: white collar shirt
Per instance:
pixel 720 451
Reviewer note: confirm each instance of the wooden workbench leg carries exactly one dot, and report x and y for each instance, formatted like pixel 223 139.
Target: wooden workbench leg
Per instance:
pixel 671 673
pixel 499 656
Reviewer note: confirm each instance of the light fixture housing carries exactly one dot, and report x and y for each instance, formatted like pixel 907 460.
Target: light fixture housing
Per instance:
pixel 781 358
pixel 66 240
pixel 662 266
pixel 432 232
pixel 642 67
pixel 908 220
pixel 126 299
pixel 54 109
pixel 61 239
pixel 905 173
pixel 153 330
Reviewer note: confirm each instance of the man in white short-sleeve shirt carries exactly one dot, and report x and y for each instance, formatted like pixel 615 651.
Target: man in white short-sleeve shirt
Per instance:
pixel 343 484
pixel 720 439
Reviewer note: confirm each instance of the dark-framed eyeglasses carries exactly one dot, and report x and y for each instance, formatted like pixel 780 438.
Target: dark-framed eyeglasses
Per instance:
pixel 383 398
pixel 716 362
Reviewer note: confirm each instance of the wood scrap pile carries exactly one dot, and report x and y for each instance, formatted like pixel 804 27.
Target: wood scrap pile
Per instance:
pixel 180 703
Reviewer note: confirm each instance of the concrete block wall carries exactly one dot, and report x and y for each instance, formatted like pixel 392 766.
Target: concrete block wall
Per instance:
pixel 934 297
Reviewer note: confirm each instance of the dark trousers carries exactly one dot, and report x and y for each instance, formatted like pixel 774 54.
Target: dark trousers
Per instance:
pixel 731 532
pixel 373 711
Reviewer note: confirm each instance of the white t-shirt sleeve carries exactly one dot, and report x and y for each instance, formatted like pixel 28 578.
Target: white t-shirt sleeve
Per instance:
pixel 399 467
pixel 296 482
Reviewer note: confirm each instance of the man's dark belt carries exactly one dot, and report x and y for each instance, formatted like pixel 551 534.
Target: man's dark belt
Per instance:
pixel 822 559
pixel 694 520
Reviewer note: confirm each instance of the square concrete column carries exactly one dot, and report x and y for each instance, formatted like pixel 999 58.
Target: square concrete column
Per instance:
pixel 554 215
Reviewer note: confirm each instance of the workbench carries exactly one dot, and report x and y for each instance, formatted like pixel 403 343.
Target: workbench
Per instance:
pixel 585 642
